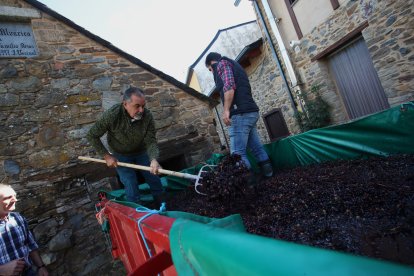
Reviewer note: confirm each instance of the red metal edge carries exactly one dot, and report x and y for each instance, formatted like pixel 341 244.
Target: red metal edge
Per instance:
pixel 129 246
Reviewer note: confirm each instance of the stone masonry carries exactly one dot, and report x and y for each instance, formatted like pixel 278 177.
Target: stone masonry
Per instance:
pixel 389 37
pixel 269 91
pixel 47 105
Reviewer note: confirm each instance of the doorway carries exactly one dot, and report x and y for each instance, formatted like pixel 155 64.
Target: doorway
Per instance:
pixel 357 80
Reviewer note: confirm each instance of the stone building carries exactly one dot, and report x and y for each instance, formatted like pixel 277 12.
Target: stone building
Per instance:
pixel 56 78
pixel 360 53
pixel 244 43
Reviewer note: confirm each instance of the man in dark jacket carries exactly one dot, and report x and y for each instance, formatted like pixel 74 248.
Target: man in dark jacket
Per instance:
pixel 240 112
pixel 131 138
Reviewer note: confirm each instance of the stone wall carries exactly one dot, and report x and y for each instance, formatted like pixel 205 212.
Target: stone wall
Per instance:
pixel 269 88
pixel 269 91
pixel 47 105
pixel 389 37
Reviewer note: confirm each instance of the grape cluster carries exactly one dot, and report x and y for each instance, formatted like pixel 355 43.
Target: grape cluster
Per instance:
pixel 227 181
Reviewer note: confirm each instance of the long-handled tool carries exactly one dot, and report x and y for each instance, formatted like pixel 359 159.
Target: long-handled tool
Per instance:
pixel 197 178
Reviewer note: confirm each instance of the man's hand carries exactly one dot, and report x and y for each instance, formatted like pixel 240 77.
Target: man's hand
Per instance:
pixel 226 117
pixel 42 272
pixel 154 166
pixel 111 161
pixel 37 260
pixel 228 100
pixel 14 267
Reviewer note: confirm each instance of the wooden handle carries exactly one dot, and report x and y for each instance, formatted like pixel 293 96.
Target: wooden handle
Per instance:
pixel 144 168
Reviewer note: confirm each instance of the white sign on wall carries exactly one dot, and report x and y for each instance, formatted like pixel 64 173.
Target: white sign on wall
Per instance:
pixel 17 40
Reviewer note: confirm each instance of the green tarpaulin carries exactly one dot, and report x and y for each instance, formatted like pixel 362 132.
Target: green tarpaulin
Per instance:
pixel 381 134
pixel 200 249
pixel 203 246
pixel 170 183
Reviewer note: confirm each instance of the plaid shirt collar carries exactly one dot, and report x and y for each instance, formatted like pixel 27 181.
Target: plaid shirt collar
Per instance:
pixel 16 240
pixel 6 218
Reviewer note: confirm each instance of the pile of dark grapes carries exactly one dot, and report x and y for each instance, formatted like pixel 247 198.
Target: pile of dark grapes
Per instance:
pixel 227 181
pixel 363 206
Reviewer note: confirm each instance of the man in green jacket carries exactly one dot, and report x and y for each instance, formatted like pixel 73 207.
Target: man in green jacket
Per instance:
pixel 131 138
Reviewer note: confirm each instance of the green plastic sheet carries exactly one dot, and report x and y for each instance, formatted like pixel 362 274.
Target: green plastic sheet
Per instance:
pixel 384 133
pixel 232 222
pixel 201 249
pixel 211 246
pixel 169 183
pixel 381 134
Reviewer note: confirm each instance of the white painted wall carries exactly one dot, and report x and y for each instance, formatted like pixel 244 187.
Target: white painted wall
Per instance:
pixel 229 43
pixel 311 13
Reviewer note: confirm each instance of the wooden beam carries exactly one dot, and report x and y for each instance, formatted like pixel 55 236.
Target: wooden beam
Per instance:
pixel 294 19
pixel 356 32
pixel 335 4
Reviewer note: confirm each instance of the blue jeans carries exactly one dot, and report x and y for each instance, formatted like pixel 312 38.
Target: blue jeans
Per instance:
pixel 243 135
pixel 129 179
pixel 31 271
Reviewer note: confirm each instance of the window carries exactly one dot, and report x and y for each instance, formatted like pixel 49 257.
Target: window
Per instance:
pixel 275 125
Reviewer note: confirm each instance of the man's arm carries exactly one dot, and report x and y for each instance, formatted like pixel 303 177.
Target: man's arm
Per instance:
pixel 97 131
pixel 225 71
pixel 34 253
pixel 14 267
pixel 94 137
pixel 37 260
pixel 228 100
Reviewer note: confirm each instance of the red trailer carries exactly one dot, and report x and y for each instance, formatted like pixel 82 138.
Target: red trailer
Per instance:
pixel 127 229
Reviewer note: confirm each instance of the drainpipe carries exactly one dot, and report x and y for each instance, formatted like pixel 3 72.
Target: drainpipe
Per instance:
pixel 279 40
pixel 222 128
pixel 274 53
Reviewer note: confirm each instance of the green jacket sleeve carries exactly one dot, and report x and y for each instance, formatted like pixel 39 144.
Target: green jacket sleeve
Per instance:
pixel 96 132
pixel 150 140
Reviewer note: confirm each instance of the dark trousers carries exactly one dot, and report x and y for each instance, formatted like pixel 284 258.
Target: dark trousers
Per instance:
pixel 129 178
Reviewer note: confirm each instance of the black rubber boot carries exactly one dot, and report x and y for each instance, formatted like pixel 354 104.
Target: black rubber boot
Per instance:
pixel 266 168
pixel 158 200
pixel 252 179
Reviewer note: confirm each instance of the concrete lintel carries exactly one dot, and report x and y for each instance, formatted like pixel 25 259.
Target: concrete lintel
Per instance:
pixel 20 14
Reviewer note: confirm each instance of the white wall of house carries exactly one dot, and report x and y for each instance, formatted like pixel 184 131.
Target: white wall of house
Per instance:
pixel 229 43
pixel 311 13
pixel 383 25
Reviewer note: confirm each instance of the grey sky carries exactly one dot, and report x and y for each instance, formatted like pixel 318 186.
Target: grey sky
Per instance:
pixel 167 34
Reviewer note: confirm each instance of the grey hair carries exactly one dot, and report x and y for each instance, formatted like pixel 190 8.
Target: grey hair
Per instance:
pixel 5 187
pixel 133 91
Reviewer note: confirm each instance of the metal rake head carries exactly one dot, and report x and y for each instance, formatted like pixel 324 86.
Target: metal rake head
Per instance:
pixel 202 170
